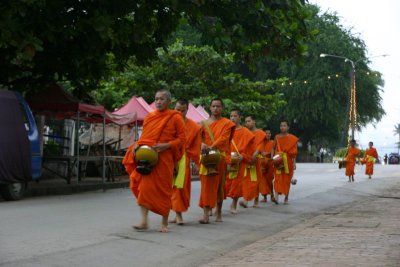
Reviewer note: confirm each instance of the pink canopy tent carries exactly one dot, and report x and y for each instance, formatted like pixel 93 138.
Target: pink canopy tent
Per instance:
pixel 192 114
pixel 135 105
pixel 203 111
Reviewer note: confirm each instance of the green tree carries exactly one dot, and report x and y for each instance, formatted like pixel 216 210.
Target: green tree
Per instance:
pixel 42 41
pixel 397 132
pixel 317 93
pixel 195 73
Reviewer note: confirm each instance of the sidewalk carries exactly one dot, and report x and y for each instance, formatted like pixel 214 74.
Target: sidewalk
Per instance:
pixel 57 186
pixel 364 233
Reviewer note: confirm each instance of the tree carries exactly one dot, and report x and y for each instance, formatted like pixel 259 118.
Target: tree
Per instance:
pixel 397 132
pixel 317 93
pixel 195 73
pixel 43 41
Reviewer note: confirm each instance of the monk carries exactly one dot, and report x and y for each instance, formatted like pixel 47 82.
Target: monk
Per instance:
pixel 182 183
pixel 217 133
pixel 285 148
pixel 351 154
pixel 242 149
pixel 164 131
pixel 350 157
pixel 267 168
pixel 259 142
pixel 370 156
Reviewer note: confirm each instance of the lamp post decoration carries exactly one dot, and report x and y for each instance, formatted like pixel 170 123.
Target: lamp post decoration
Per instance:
pixel 352 99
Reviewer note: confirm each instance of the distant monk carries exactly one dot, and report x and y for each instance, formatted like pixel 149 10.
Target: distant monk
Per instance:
pixel 268 168
pixel 255 168
pixel 370 156
pixel 351 154
pixel 285 148
pixel 242 149
pixel 217 134
pixel 182 182
pixel 164 131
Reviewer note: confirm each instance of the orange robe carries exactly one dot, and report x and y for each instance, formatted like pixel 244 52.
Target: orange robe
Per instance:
pixel 260 140
pixel 244 141
pixel 181 196
pixel 352 153
pixel 369 164
pixel 154 191
pixel 285 144
pixel 268 171
pixel 212 187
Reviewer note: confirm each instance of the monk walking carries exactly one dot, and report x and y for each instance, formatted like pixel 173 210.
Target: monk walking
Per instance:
pixel 182 182
pixel 242 149
pixel 285 152
pixel 217 133
pixel 267 168
pixel 351 154
pixel 164 131
pixel 259 143
pixel 370 156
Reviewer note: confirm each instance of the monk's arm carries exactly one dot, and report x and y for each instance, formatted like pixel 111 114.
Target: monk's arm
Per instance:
pixel 224 139
pixel 194 147
pixel 180 138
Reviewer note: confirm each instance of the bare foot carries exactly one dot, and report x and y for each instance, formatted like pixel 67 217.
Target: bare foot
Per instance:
pixel 286 202
pixel 172 221
pixel 273 199
pixel 163 229
pixel 218 219
pixel 234 211
pixel 140 227
pixel 202 221
pixel 242 204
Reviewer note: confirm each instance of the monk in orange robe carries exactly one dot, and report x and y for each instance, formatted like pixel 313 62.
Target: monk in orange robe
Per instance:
pixel 259 143
pixel 351 154
pixel 285 147
pixel 369 157
pixel 217 133
pixel 267 168
pixel 242 149
pixel 181 189
pixel 164 131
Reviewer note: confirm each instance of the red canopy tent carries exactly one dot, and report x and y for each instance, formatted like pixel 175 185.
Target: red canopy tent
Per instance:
pixel 54 101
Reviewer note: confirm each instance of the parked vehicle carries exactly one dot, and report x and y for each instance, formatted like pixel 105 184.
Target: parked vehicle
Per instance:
pixel 20 158
pixel 394 158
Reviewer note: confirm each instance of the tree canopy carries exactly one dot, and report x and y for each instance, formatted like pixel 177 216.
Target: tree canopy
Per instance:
pixel 43 41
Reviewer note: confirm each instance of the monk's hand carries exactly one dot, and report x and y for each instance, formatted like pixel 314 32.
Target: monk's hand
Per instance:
pixel 294 165
pixel 204 148
pixel 160 147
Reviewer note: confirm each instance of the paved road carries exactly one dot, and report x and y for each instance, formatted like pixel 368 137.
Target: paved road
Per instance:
pixel 93 229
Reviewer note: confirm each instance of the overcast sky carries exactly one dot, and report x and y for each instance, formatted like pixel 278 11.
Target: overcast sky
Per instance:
pixel 378 23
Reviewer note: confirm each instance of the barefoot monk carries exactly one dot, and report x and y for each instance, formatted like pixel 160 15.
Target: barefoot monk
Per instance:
pixel 164 133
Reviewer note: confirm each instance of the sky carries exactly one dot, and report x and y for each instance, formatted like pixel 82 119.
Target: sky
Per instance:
pixel 377 23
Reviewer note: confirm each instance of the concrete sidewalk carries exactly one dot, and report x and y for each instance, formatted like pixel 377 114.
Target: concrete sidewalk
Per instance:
pixel 363 233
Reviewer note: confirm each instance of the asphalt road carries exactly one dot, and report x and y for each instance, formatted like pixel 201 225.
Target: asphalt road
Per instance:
pixel 94 229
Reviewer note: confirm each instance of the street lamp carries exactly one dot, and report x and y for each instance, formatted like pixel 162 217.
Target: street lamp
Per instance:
pixel 353 106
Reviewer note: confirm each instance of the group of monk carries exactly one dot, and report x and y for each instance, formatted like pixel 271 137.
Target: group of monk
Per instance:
pixel 352 157
pixel 246 166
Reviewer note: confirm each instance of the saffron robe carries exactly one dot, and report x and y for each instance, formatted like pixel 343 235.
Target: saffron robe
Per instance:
pixel 285 144
pixel 370 155
pixel 181 196
pixel 352 153
pixel 154 191
pixel 260 140
pixel 244 141
pixel 268 171
pixel 212 187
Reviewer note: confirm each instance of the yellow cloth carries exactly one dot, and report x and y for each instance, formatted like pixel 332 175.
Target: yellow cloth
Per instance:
pixel 179 180
pixel 233 175
pixel 203 170
pixel 253 172
pixel 285 164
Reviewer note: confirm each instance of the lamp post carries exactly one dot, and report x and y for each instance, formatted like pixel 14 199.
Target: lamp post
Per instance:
pixel 352 100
